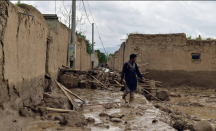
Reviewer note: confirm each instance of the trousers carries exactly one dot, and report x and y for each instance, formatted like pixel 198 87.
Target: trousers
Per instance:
pixel 126 92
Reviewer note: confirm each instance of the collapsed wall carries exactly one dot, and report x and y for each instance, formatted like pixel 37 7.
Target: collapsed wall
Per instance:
pixel 29 49
pixel 172 58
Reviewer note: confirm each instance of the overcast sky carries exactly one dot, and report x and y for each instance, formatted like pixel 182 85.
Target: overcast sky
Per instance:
pixel 116 19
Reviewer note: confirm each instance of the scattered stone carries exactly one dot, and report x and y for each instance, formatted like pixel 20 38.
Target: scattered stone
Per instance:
pixel 102 114
pixel 90 120
pixel 154 121
pixel 26 112
pixel 14 120
pixel 69 81
pixel 162 95
pixel 179 125
pixel 56 100
pixel 73 119
pixel 44 128
pixel 116 115
pixel 203 126
pixel 115 120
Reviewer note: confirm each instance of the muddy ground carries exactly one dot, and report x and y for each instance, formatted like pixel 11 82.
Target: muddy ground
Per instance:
pixel 183 108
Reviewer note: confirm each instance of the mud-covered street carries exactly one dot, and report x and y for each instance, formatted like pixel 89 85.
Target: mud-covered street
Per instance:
pixel 140 115
pixel 96 104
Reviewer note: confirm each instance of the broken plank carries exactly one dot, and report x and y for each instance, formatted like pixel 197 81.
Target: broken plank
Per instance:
pixel 70 99
pixel 59 110
pixel 152 95
pixel 100 82
pixel 114 85
pixel 73 94
pixel 118 83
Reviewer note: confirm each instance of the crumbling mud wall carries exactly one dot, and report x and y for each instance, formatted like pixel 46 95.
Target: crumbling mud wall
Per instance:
pixel 29 49
pixel 172 58
pixel 23 49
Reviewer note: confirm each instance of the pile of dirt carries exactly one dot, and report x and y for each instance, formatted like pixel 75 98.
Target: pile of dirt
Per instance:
pixel 73 119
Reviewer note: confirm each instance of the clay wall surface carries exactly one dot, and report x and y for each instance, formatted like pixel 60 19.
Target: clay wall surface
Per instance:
pixel 58 48
pixel 170 56
pixel 29 49
pixel 23 49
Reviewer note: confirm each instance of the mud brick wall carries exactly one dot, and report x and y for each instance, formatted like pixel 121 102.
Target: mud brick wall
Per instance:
pixel 23 48
pixel 29 48
pixel 170 58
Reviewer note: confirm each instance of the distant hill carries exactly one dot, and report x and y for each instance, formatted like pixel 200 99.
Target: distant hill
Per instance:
pixel 109 49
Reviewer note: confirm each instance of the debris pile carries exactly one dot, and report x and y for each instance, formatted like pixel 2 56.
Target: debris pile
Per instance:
pixel 65 101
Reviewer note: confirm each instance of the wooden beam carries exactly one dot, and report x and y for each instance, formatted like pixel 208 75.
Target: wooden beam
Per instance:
pixel 100 82
pixel 70 99
pixel 59 110
pixel 73 94
pixel 118 83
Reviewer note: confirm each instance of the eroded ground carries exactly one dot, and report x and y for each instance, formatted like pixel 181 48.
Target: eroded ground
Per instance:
pixel 135 116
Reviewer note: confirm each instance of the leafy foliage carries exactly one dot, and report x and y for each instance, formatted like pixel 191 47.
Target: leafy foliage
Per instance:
pixel 111 54
pixel 88 44
pixel 199 37
pixel 18 3
pixel 189 37
pixel 101 56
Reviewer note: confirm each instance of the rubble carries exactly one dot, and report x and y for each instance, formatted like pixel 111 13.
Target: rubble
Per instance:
pixel 73 119
pixel 56 100
pixel 107 81
pixel 162 95
pixel 69 81
pixel 90 120
pixel 203 126
pixel 26 112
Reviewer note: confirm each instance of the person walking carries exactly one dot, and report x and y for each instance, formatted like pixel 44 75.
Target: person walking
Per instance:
pixel 129 72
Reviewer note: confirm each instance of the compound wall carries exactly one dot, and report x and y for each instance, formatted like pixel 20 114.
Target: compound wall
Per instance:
pixel 170 58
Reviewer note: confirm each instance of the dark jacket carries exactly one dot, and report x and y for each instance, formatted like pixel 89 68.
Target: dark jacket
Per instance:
pixel 129 74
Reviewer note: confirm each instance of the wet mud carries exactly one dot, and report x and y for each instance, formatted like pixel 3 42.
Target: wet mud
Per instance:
pixel 139 115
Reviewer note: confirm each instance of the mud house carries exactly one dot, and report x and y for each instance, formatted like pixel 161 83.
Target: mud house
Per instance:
pixel 30 48
pixel 171 58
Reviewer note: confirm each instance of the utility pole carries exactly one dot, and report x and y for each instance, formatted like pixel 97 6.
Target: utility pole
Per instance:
pixel 92 55
pixel 72 46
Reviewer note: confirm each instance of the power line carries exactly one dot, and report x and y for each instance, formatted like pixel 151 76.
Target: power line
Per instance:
pixel 86 12
pixel 97 29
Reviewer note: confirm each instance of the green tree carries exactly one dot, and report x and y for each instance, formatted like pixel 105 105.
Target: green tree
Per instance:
pixel 88 44
pixel 101 56
pixel 189 37
pixel 18 3
pixel 111 54
pixel 199 37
